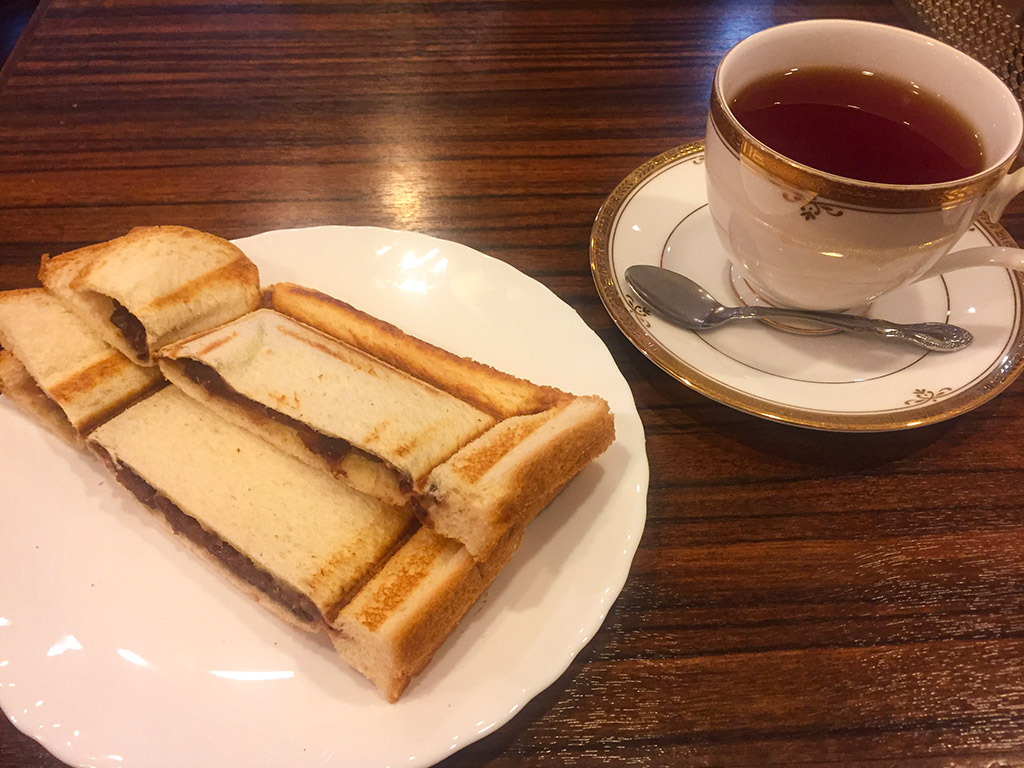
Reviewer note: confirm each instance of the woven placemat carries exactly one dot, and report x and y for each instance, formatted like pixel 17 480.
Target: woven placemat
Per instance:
pixel 987 30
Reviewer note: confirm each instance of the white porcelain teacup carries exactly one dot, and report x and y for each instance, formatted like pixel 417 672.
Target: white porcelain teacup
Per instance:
pixel 805 238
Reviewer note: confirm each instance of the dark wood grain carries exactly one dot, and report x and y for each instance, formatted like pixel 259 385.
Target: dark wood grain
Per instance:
pixel 798 598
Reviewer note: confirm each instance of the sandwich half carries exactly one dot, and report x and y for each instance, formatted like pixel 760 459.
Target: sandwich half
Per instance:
pixel 324 401
pixel 56 370
pixel 476 451
pixel 153 286
pixel 290 535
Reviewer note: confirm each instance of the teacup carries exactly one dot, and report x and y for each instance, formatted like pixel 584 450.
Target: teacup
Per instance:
pixel 807 238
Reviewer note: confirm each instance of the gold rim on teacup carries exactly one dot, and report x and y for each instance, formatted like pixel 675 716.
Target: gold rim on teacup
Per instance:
pixel 846 192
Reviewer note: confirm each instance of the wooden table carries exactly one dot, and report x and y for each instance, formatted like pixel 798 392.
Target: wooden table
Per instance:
pixel 798 598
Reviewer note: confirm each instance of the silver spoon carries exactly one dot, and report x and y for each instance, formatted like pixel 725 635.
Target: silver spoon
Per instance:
pixel 684 303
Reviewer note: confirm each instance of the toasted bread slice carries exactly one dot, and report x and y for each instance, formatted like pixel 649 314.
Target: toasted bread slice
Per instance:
pixel 153 286
pixel 290 534
pixel 396 623
pixel 325 401
pixel 87 379
pixel 484 387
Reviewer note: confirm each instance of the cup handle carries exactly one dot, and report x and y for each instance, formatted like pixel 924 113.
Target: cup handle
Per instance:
pixel 1011 185
pixel 1008 188
pixel 982 256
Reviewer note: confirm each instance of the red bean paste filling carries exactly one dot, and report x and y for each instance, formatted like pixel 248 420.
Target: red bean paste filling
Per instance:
pixel 333 449
pixel 132 329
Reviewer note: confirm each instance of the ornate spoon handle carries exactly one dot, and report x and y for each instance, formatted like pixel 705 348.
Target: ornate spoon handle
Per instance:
pixel 938 337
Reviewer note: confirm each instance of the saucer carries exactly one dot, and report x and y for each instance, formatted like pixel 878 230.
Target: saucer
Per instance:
pixel 837 381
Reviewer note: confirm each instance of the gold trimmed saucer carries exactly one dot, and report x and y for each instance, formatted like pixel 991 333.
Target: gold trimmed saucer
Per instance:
pixel 841 382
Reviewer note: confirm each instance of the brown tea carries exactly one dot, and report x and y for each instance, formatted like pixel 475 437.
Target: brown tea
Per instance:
pixel 860 125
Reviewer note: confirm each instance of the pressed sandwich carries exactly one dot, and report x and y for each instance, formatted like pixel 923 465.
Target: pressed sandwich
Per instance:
pixel 476 451
pixel 354 479
pixel 153 286
pixel 56 370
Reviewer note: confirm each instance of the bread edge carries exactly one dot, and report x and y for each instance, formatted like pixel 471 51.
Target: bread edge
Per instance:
pixel 435 365
pixel 411 649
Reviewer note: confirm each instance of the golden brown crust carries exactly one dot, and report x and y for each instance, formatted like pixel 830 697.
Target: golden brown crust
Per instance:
pixel 60 270
pixel 542 477
pixel 438 616
pixel 393 628
pixel 241 271
pixel 474 464
pixel 94 377
pixel 494 392
pixel 407 575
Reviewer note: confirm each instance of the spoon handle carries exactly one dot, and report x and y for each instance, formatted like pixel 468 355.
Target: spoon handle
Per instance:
pixel 938 337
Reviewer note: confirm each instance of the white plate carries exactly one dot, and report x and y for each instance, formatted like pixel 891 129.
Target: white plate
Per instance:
pixel 843 382
pixel 118 647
